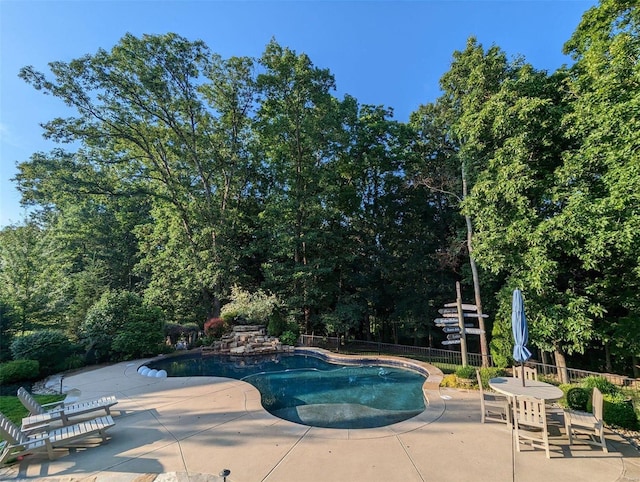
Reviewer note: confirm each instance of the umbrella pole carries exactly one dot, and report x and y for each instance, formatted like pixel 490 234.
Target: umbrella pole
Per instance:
pixel 522 372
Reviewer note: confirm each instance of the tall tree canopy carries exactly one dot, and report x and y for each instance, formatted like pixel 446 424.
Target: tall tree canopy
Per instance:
pixel 184 174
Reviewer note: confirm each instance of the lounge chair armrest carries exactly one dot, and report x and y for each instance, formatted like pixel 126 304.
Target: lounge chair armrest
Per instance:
pixel 36 428
pixel 39 437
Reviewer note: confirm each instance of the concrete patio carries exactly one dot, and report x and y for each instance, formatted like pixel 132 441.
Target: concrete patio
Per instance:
pixel 190 429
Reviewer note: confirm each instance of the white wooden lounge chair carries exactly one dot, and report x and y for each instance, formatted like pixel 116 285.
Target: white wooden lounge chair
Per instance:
pixel 493 406
pixel 18 443
pixel 589 424
pixel 530 423
pixel 40 416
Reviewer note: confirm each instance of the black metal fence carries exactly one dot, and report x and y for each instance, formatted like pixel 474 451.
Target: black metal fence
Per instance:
pixel 452 359
pixel 430 355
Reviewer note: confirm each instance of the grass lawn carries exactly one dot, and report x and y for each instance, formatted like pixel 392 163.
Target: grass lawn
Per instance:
pixel 13 409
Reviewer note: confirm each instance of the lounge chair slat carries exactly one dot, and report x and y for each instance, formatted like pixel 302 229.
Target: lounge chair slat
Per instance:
pixel 39 415
pixel 19 443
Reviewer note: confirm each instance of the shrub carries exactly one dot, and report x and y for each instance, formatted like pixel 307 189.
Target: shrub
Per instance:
pixel 173 331
pixel 249 308
pixel 578 398
pixel 449 381
pixel 466 372
pixel 120 326
pixel 289 338
pixel 215 327
pixel 490 372
pixel 619 411
pixel 74 361
pixel 277 325
pixel 601 383
pixel 49 347
pixel 18 371
pixel 140 338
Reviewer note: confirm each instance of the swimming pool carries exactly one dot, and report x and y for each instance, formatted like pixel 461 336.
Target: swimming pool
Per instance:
pixel 313 391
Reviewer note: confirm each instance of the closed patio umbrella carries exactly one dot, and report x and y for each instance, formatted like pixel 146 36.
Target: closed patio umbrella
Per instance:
pixel 520 331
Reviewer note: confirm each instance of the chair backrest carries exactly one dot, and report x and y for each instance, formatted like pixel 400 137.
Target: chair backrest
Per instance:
pixel 597 403
pixel 9 431
pixel 530 373
pixel 29 402
pixel 479 382
pixel 531 411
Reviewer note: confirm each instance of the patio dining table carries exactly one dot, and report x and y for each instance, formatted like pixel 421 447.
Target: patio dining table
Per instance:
pixel 512 387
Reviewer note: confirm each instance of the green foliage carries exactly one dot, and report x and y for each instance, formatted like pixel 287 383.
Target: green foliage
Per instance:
pixel 120 326
pixel 18 371
pixel 288 338
pixel 578 398
pixel 33 276
pixel 277 324
pixel 249 308
pixel 196 173
pixel 49 347
pixel 7 322
pixel 601 383
pixel 619 411
pixel 466 372
pixel 490 372
pixel 141 337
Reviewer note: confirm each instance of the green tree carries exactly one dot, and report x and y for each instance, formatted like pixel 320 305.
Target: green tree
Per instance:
pixel 33 280
pixel 297 128
pixel 601 175
pixel 162 120
pixel 120 325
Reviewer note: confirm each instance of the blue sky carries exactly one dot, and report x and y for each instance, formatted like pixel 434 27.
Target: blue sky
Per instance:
pixel 388 53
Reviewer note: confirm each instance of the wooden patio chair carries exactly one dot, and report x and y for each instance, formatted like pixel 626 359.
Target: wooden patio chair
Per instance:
pixel 18 443
pixel 589 424
pixel 530 373
pixel 530 423
pixel 493 406
pixel 41 416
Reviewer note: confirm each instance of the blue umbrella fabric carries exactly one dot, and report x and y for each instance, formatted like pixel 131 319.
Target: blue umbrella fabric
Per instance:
pixel 520 330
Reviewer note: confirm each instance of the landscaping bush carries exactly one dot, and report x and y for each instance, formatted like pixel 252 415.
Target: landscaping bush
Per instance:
pixel 120 326
pixel 277 325
pixel 578 398
pixel 50 347
pixel 288 338
pixel 490 372
pixel 618 411
pixel 467 372
pixel 215 327
pixel 601 383
pixel 140 338
pixel 449 381
pixel 249 308
pixel 74 361
pixel 18 371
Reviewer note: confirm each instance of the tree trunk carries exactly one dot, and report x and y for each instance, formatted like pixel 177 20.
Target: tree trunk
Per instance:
pixel 634 364
pixel 561 363
pixel 607 358
pixel 476 280
pixel 545 360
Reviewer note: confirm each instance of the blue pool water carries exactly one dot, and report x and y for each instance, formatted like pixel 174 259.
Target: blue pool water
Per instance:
pixel 312 391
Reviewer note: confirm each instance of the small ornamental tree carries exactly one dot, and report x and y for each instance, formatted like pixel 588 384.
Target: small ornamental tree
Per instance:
pixel 215 327
pixel 249 308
